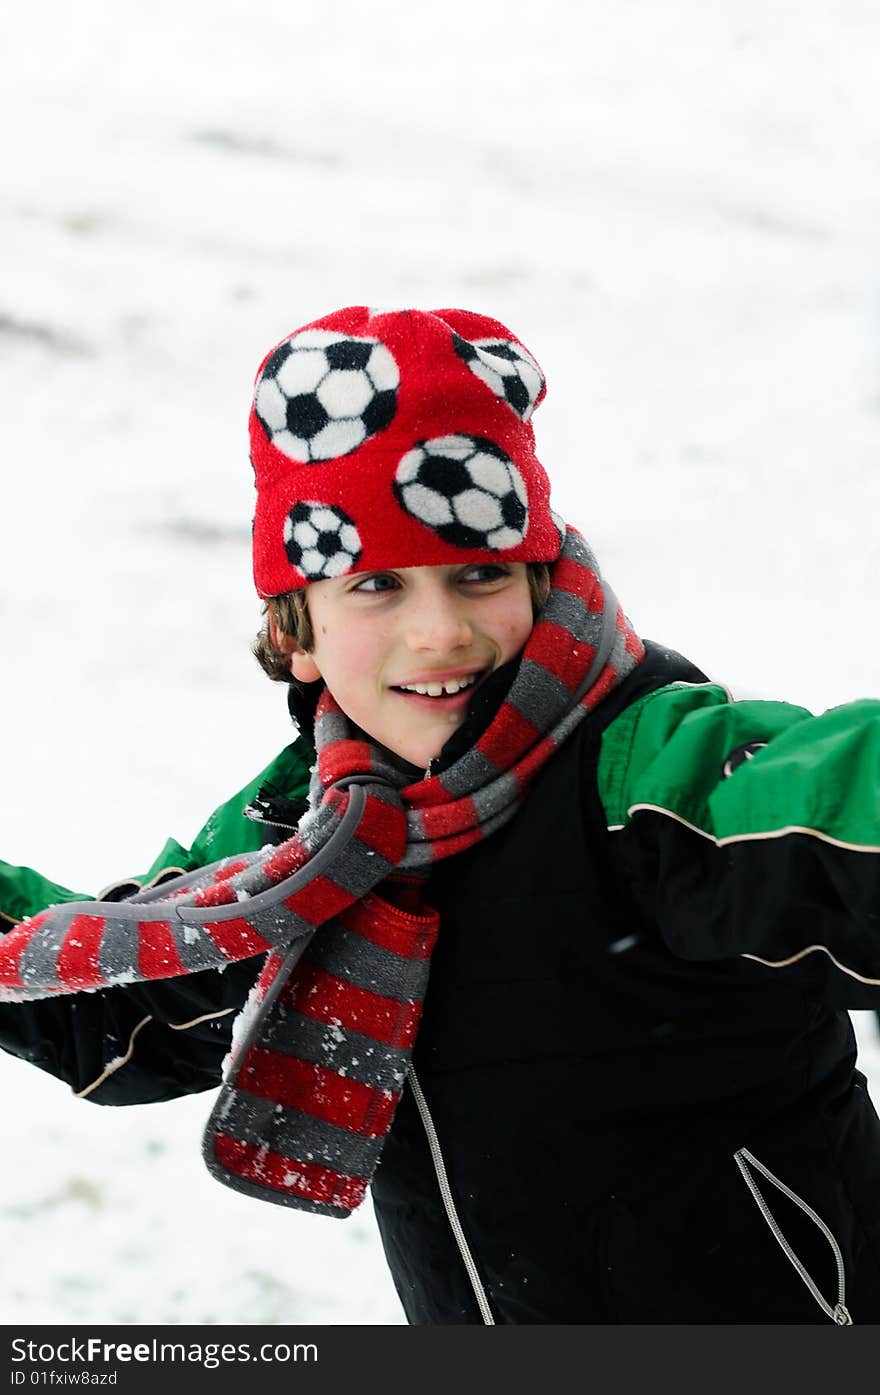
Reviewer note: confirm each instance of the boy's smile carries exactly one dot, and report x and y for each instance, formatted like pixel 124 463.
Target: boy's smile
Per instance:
pixel 403 651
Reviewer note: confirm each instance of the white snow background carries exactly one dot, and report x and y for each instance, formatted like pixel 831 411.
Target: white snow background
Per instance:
pixel 677 206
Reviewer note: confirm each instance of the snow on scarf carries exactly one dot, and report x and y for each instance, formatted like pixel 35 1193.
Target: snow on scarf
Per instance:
pixel 322 1048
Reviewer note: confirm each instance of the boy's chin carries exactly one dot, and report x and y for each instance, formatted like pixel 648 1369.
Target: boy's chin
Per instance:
pixel 421 752
pixel 416 747
pixel 417 756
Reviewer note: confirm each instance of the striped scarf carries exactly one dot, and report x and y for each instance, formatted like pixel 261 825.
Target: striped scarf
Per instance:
pixel 321 1050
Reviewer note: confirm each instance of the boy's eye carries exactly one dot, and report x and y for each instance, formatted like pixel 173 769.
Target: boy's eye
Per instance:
pixel 485 571
pixel 379 581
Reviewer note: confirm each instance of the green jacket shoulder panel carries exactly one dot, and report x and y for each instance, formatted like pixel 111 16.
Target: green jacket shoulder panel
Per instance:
pixel 734 769
pixel 630 742
pixel 23 892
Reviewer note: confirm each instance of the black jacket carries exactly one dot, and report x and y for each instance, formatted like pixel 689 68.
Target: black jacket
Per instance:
pixel 589 1091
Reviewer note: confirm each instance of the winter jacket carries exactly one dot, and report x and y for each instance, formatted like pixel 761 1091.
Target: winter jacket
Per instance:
pixel 635 1069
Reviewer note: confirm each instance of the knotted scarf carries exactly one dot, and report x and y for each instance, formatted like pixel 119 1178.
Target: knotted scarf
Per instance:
pixel 321 1050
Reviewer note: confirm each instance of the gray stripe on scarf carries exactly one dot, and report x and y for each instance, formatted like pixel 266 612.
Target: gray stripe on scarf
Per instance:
pixel 279 924
pixel 572 614
pixel 195 945
pixel 38 961
pixel 349 956
pixel 351 1053
pixel 360 868
pixel 415 833
pixel 496 797
pixel 539 694
pixel 301 1137
pixel 578 550
pixel 118 955
pixel 331 727
pixel 316 826
pixel 472 771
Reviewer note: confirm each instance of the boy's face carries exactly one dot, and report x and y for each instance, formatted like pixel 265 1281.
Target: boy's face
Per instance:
pixel 380 632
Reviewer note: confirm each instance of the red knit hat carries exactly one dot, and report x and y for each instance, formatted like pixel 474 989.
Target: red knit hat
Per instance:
pixel 396 438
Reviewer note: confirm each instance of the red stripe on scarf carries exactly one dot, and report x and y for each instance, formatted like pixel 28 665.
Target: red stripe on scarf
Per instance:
pixel 446 820
pixel 217 894
pixel 343 757
pixel 237 939
pixel 13 945
pixel 178 893
pixel 288 859
pixel 157 952
pixel 507 745
pixel 393 927
pixel 78 955
pixel 316 993
pixel 305 1179
pixel 224 873
pixel 425 793
pixel 553 647
pixel 322 1093
pixel 271 967
pixel 575 578
pixel 383 829
pixel 319 900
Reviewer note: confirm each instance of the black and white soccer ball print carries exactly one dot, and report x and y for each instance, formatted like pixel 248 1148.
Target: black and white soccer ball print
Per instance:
pixel 322 394
pixel 466 490
pixel 321 540
pixel 506 368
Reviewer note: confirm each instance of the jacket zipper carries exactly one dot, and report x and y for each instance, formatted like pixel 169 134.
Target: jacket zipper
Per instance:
pixel 252 812
pixel 839 1314
pixel 448 1203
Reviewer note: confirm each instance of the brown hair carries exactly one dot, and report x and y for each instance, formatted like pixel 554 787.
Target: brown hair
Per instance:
pixel 291 615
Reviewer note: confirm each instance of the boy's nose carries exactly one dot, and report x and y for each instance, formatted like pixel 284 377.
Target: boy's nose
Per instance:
pixel 439 626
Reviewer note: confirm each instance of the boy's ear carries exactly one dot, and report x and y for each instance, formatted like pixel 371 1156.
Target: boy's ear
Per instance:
pixel 302 665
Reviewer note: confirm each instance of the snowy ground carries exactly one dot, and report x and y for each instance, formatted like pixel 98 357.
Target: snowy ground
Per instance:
pixel 677 207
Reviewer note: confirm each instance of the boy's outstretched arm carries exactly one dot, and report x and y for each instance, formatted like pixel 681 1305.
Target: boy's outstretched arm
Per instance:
pixel 753 828
pixel 145 1042
pixel 133 1045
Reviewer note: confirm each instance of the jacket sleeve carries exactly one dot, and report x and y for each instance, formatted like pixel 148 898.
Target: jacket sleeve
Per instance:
pixel 753 829
pixel 145 1042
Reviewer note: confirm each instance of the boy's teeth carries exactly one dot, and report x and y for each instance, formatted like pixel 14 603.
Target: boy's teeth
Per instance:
pixel 450 687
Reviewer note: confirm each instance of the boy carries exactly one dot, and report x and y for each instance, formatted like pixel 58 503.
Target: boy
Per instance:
pixel 626 1092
